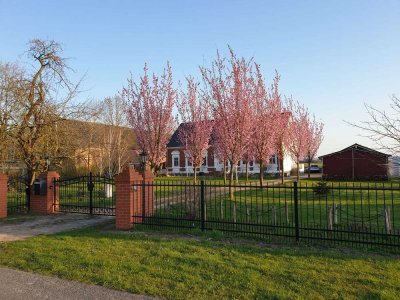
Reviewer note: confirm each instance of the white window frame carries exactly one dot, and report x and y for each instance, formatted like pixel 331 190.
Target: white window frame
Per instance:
pixel 175 155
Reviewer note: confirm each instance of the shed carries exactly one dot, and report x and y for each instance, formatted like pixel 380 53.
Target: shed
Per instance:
pixel 355 163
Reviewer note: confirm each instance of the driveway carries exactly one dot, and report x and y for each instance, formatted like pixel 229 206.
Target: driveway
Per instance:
pixel 23 285
pixel 19 228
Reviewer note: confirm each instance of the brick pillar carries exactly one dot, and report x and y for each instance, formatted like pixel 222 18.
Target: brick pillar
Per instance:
pixel 3 195
pixel 125 196
pixel 43 204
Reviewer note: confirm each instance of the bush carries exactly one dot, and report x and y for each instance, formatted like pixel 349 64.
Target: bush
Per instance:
pixel 321 189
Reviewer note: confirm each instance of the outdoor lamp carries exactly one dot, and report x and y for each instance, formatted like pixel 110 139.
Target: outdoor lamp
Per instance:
pixel 143 160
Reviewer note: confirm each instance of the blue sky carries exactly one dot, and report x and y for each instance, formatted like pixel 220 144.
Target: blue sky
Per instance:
pixel 333 56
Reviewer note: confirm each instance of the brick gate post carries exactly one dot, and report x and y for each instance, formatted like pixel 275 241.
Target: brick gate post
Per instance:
pixel 42 202
pixel 3 195
pixel 125 196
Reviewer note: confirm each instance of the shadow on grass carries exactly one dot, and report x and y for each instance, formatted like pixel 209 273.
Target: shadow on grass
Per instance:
pixel 241 244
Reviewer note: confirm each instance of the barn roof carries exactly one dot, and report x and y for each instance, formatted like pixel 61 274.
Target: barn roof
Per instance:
pixel 358 147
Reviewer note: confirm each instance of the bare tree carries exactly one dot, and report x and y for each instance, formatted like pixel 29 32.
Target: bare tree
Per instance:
pixel 41 98
pixel 117 138
pixel 10 80
pixel 383 128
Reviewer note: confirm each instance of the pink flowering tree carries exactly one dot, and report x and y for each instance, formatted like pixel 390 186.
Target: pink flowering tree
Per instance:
pixel 248 156
pixel 282 140
pixel 267 121
pixel 314 140
pixel 195 131
pixel 230 85
pixel 281 128
pixel 219 151
pixel 297 144
pixel 150 113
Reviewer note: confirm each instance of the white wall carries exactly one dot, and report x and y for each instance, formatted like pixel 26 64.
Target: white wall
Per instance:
pixel 394 167
pixel 272 168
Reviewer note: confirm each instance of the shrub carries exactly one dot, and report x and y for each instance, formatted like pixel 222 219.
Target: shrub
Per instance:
pixel 321 189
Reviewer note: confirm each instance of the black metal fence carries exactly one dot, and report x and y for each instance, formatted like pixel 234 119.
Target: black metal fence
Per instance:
pixel 87 194
pixel 17 194
pixel 357 213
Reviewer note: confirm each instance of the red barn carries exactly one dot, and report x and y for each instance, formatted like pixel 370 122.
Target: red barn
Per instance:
pixel 355 163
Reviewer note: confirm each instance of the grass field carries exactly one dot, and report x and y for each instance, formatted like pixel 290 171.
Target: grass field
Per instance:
pixel 357 211
pixel 206 267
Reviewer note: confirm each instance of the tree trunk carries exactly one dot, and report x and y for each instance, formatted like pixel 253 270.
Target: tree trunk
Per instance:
pixel 236 173
pixel 298 171
pixel 309 165
pixel 247 171
pixel 282 171
pixel 195 175
pixel 261 173
pixel 224 171
pixel 231 178
pixel 30 177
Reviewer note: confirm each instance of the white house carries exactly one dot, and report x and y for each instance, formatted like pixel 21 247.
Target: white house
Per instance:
pixel 178 163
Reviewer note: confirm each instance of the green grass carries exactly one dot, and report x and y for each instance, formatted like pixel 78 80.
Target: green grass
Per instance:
pixel 202 267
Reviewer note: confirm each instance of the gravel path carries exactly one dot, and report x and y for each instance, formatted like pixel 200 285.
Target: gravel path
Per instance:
pixel 25 228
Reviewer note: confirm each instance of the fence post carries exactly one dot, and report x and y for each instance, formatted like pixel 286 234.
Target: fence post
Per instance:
pixel 296 210
pixel 3 195
pixel 388 223
pixel 335 214
pixel 286 213
pixel 90 188
pixel 329 215
pixel 203 205
pixel 127 198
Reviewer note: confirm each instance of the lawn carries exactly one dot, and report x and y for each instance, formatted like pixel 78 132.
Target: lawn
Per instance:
pixel 205 266
pixel 357 211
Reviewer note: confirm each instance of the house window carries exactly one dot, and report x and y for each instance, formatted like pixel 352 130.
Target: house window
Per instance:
pixel 272 160
pixel 176 161
pixel 205 161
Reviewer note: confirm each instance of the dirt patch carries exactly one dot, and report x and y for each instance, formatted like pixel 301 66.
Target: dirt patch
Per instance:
pixel 19 228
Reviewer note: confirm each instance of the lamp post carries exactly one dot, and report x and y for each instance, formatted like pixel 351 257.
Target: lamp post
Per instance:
pixel 143 160
pixel 47 162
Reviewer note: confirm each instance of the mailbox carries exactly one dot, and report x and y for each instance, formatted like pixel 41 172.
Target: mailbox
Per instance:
pixel 40 186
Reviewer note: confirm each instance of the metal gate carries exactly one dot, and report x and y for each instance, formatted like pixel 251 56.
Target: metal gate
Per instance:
pixel 17 194
pixel 87 194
